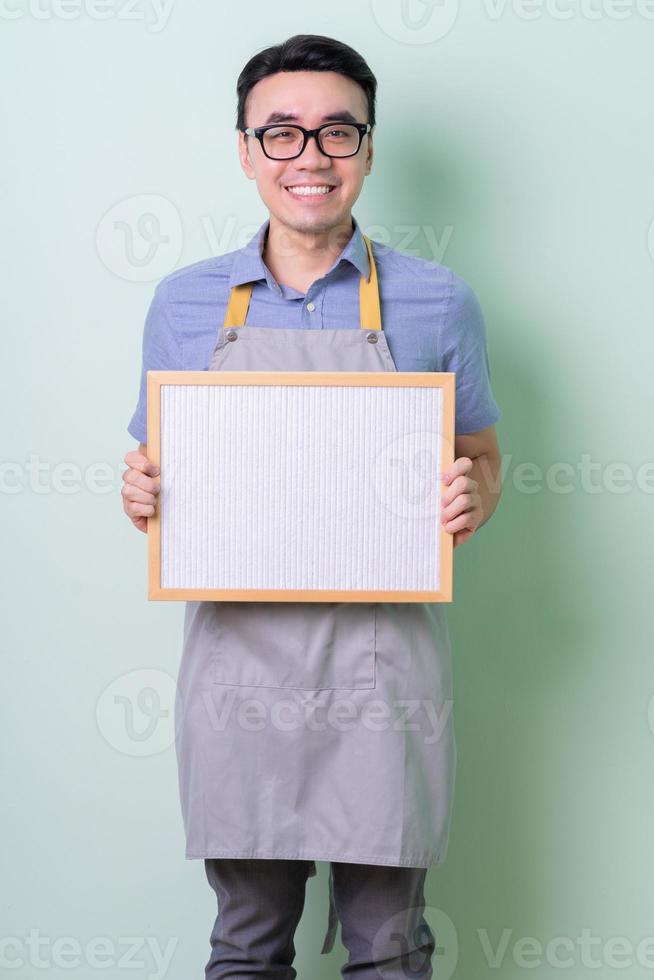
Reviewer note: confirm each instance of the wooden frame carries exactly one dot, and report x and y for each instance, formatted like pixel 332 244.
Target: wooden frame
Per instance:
pixel 442 380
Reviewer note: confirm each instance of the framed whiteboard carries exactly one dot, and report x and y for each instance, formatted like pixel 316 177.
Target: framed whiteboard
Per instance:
pixel 300 485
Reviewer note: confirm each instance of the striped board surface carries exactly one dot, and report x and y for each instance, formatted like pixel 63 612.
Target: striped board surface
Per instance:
pixel 300 485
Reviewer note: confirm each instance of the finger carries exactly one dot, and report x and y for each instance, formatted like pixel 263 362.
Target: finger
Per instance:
pixel 459 523
pixel 137 479
pixel 137 461
pixel 141 523
pixel 459 467
pixel 464 502
pixel 462 484
pixel 134 509
pixel 131 492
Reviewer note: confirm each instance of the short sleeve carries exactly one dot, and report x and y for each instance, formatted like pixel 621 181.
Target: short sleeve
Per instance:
pixel 161 352
pixel 463 349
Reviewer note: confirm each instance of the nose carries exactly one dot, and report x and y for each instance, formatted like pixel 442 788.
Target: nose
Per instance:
pixel 312 156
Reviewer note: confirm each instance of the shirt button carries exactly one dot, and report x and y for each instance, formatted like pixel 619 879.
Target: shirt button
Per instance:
pixel 231 335
pixel 372 337
pixel 311 307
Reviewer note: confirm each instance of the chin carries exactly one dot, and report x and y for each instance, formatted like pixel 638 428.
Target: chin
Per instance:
pixel 315 225
pixel 314 222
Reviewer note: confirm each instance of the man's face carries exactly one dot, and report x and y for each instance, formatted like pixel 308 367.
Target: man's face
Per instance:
pixel 308 99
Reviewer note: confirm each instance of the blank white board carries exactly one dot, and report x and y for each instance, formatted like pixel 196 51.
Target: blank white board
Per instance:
pixel 291 486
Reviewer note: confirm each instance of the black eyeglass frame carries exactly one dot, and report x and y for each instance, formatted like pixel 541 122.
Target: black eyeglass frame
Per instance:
pixel 258 131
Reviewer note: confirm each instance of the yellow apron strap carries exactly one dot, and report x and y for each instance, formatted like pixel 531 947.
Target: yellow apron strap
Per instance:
pixel 370 314
pixel 369 309
pixel 237 308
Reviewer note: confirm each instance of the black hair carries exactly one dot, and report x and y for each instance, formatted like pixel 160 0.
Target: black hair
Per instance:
pixel 306 52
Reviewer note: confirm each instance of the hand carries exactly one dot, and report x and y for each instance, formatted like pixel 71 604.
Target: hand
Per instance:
pixel 140 488
pixel 461 512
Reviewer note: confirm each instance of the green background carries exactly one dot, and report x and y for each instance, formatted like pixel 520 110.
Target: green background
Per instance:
pixel 517 149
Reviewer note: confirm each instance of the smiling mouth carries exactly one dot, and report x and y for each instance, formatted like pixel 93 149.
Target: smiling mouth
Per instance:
pixel 309 190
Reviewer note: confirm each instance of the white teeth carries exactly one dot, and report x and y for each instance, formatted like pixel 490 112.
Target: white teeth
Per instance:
pixel 306 191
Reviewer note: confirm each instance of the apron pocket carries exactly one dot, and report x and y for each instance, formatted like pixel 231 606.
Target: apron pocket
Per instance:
pixel 311 645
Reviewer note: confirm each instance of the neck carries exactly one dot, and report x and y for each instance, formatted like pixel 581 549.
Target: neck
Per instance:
pixel 298 258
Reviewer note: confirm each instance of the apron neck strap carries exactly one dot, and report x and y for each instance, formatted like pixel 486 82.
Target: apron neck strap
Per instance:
pixel 369 308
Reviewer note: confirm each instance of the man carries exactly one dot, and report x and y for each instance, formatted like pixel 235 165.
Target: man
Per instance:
pixel 260 810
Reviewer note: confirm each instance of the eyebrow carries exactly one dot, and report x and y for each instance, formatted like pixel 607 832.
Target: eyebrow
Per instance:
pixel 342 115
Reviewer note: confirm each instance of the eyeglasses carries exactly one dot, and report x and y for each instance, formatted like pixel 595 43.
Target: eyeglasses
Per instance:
pixel 287 142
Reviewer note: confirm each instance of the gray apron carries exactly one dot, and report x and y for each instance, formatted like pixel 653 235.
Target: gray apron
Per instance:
pixel 318 730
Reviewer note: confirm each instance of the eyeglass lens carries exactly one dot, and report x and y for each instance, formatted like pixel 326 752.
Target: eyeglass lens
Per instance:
pixel 283 142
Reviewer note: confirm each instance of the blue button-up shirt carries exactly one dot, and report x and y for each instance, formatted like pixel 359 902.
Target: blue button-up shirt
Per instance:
pixel 431 317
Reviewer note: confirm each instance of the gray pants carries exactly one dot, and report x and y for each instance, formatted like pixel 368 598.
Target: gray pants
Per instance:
pixel 260 902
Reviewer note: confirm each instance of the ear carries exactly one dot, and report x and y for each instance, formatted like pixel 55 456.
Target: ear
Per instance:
pixel 369 154
pixel 244 155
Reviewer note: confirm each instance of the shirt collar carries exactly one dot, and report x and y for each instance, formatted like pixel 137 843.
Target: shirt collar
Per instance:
pixel 249 266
